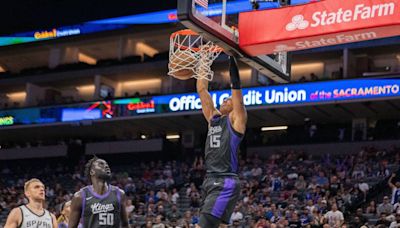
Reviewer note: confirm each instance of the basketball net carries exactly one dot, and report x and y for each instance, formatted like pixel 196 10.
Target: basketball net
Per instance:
pixel 189 51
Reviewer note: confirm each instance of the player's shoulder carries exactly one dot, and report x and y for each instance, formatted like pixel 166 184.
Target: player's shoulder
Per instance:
pixel 16 213
pixel 79 193
pixel 117 189
pixel 17 210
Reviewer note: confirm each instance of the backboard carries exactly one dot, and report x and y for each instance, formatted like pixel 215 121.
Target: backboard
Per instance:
pixel 217 21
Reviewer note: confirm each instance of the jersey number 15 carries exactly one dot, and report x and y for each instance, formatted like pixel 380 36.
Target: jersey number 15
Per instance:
pixel 215 141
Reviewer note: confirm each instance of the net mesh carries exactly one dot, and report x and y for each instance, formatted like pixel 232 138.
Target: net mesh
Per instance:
pixel 189 51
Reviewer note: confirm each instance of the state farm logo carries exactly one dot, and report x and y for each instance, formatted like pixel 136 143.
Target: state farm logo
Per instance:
pixel 325 41
pixel 298 22
pixel 341 16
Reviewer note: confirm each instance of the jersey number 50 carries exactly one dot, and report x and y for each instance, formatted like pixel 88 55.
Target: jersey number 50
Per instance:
pixel 106 219
pixel 215 141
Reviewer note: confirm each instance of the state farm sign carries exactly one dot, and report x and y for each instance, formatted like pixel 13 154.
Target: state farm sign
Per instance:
pixel 323 23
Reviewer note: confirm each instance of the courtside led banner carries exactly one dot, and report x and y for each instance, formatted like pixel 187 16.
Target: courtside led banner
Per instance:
pixel 317 24
pixel 258 97
pixel 317 92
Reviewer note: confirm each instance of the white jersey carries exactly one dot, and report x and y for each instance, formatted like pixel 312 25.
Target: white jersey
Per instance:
pixel 32 220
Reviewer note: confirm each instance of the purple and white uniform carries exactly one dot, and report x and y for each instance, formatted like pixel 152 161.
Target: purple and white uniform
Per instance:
pixel 101 210
pixel 221 188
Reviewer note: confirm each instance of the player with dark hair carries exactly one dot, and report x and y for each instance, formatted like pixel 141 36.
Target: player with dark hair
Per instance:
pixel 226 128
pixel 99 204
pixel 32 214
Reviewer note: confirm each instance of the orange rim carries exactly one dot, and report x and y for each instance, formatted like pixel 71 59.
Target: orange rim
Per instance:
pixel 184 32
pixel 188 32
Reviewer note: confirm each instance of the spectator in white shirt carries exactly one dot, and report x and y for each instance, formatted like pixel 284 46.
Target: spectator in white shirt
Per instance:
pixel 236 215
pixel 175 196
pixel 395 223
pixel 334 217
pixel 158 222
pixel 385 207
pixel 364 189
pixel 129 207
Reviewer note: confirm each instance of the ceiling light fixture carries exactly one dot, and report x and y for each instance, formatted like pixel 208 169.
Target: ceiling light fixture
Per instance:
pixel 275 128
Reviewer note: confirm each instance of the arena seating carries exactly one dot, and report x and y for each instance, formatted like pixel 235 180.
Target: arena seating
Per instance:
pixel 286 189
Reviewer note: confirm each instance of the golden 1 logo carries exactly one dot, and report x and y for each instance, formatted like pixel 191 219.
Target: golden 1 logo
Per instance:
pixel 45 34
pixel 54 33
pixel 6 120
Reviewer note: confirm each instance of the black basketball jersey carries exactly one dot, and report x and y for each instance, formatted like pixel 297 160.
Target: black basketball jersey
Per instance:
pixel 222 146
pixel 101 210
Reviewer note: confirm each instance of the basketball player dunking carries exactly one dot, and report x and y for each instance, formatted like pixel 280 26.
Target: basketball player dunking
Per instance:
pixel 226 127
pixel 99 204
pixel 32 214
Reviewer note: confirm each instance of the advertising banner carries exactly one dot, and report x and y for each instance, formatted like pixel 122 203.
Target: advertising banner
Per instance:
pixel 317 24
pixel 261 97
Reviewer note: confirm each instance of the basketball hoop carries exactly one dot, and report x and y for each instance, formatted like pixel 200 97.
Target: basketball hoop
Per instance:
pixel 189 52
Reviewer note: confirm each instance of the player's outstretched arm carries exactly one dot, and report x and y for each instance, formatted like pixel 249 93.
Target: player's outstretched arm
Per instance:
pixel 76 210
pixel 14 218
pixel 239 114
pixel 206 101
pixel 124 215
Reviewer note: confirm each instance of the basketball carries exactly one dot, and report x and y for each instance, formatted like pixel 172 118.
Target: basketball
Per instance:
pixel 181 65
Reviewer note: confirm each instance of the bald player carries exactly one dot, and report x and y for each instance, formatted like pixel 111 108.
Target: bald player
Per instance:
pixel 99 204
pixel 32 215
pixel 226 128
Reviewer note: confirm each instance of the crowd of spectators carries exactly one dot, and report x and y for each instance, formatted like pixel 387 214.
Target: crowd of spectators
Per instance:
pixel 388 211
pixel 287 189
pixel 313 132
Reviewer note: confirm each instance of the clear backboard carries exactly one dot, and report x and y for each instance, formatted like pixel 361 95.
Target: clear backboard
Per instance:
pixel 218 21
